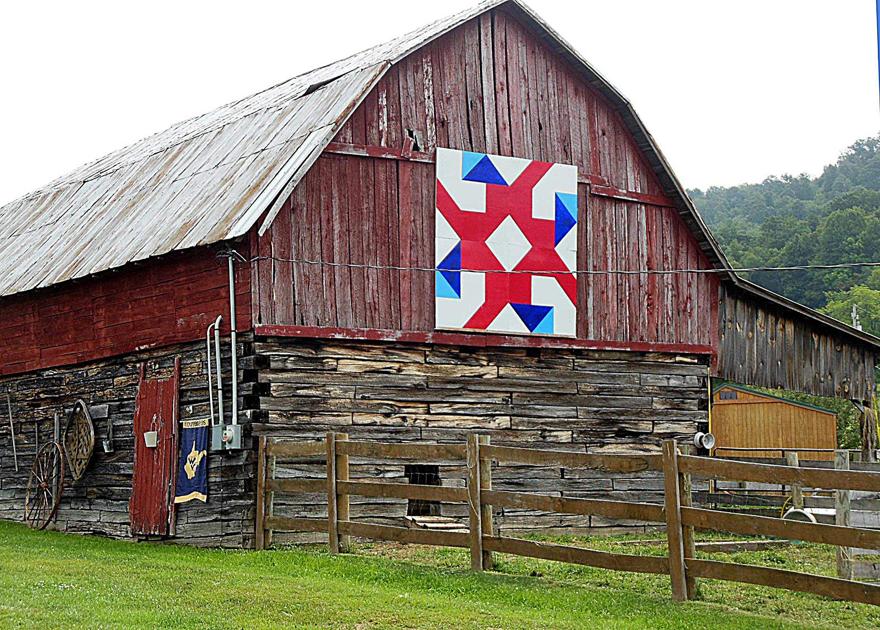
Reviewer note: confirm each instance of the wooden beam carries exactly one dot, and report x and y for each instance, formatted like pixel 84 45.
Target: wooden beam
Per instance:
pixel 751 525
pixel 477 340
pixel 564 505
pixel 791 580
pixel 674 538
pixel 784 475
pixel 486 511
pixel 404 491
pixel 342 503
pixel 598 185
pixel 405 534
pixel 568 459
pixel 403 450
pixel 332 496
pixel 260 524
pixel 474 502
pixel 842 518
pixel 290 450
pixel 576 555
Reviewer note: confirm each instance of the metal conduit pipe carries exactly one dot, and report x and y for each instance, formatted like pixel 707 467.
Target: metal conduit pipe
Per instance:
pixel 232 339
pixel 219 374
pixel 210 367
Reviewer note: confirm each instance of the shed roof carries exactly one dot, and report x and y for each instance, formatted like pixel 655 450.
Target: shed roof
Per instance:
pixel 775 397
pixel 210 178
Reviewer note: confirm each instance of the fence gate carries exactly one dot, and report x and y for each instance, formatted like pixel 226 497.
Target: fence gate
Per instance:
pixel 155 445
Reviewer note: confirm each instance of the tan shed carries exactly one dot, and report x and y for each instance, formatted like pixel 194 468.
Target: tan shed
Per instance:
pixel 745 418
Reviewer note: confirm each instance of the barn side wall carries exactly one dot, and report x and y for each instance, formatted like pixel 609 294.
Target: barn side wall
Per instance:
pixel 490 85
pixel 764 346
pixel 98 502
pixel 597 402
pixel 156 303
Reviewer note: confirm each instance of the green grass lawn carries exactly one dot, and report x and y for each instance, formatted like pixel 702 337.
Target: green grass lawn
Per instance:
pixel 55 580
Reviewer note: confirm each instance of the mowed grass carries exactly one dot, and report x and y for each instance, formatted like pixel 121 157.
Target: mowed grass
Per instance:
pixel 53 580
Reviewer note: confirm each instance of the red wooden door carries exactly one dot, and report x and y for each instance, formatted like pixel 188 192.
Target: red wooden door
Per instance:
pixel 150 507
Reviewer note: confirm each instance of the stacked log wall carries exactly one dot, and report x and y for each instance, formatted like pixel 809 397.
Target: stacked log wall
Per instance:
pixel 585 401
pixel 98 502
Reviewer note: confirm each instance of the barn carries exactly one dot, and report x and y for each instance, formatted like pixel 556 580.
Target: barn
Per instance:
pixel 465 228
pixel 749 422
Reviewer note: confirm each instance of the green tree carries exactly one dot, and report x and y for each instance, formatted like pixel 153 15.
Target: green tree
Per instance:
pixel 865 299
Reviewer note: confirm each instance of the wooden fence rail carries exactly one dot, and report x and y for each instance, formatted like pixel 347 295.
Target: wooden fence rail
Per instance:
pixel 678 514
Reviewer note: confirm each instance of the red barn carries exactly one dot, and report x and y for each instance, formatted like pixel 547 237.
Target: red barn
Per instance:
pixel 323 195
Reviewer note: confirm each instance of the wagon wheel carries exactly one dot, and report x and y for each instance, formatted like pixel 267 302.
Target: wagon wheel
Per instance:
pixel 79 439
pixel 44 487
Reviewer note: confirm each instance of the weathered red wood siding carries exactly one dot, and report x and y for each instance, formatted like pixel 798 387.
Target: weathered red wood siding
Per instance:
pixel 490 85
pixel 156 303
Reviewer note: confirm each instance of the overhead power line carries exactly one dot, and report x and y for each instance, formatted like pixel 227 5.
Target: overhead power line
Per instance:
pixel 584 272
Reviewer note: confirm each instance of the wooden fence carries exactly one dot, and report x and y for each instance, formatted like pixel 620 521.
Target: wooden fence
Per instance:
pixel 677 513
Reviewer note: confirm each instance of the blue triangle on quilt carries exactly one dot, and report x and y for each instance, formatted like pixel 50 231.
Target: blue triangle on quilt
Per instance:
pixel 443 284
pixel 469 160
pixel 546 325
pixel 565 221
pixel 532 315
pixel 484 172
pixel 449 270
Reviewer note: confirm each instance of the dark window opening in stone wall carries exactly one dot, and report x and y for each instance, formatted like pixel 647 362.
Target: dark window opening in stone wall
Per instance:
pixel 425 475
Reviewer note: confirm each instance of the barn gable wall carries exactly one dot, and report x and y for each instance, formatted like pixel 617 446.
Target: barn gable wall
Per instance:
pixel 489 85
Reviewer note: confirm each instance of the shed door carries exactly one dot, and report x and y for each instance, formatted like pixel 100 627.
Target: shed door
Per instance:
pixel 151 508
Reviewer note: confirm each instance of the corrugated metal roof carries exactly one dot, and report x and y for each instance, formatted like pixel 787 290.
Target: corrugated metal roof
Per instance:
pixel 204 180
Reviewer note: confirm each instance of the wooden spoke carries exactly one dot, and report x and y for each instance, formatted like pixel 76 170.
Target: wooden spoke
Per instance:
pixel 79 439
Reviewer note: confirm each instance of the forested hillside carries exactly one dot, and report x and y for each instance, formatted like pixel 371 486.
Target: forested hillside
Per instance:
pixel 784 221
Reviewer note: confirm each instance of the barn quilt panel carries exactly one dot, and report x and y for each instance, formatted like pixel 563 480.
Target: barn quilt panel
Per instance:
pixel 505 244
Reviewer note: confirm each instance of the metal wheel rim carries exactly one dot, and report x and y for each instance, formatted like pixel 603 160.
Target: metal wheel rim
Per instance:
pixel 45 486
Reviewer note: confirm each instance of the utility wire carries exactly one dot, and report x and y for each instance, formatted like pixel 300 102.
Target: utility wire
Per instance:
pixel 584 272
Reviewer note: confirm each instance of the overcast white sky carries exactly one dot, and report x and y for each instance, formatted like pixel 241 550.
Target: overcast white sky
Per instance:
pixel 733 90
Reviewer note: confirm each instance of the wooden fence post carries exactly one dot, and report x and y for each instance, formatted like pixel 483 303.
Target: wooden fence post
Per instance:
pixel 260 524
pixel 688 542
pixel 674 537
pixel 486 518
pixel 342 501
pixel 332 506
pixel 842 518
pixel 474 503
pixel 797 491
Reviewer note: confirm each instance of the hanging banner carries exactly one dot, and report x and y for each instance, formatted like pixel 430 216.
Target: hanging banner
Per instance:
pixel 192 467
pixel 505 244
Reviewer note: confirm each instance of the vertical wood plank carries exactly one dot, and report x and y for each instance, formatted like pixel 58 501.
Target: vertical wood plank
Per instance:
pixel 260 525
pixel 474 511
pixel 486 517
pixel 487 64
pixel 842 517
pixel 343 511
pixel 688 542
pixel 797 494
pixel 674 537
pixel 332 507
pixel 271 501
